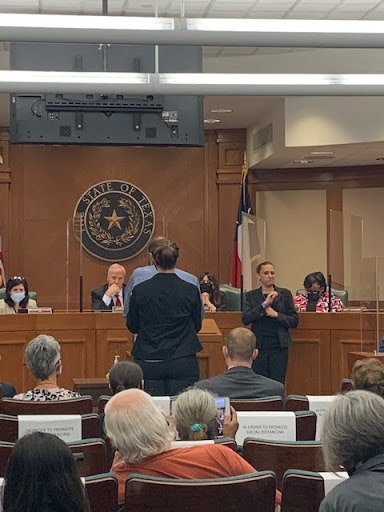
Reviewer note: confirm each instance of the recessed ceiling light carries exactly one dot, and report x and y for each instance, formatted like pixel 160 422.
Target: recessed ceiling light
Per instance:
pixel 221 110
pixel 321 153
pixel 212 121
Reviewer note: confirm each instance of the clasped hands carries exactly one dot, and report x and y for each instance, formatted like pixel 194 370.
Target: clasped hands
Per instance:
pixel 269 311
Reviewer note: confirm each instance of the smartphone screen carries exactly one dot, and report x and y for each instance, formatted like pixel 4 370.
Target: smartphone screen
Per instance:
pixel 223 407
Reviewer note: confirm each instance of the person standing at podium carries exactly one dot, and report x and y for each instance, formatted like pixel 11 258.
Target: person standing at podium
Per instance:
pixel 271 312
pixel 165 312
pixel 111 294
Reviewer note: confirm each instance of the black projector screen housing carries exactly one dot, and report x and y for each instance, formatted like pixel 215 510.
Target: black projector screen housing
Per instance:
pixel 121 119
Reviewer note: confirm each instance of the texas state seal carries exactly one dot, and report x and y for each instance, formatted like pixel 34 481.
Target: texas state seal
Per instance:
pixel 116 220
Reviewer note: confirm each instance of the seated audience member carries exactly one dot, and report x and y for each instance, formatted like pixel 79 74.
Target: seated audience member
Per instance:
pixel 139 431
pixel 316 298
pixel 353 439
pixel 195 415
pixel 16 296
pixel 44 362
pixel 42 476
pixel 368 374
pixel 141 274
pixel 111 294
pixel 125 375
pixel 7 390
pixel 213 299
pixel 240 381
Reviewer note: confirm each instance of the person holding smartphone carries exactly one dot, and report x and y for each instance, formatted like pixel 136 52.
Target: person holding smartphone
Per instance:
pixel 199 416
pixel 271 312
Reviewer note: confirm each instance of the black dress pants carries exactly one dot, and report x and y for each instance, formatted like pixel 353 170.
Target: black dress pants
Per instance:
pixel 272 363
pixel 168 378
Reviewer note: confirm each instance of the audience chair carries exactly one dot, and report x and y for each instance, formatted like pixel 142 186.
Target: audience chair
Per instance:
pixel 102 402
pixel 9 426
pixel 12 407
pixel 279 456
pixel 93 454
pixel 296 403
pixel 302 491
pixel 268 403
pixel 248 493
pixel 102 492
pixel 305 425
pixel 346 385
pixel 5 452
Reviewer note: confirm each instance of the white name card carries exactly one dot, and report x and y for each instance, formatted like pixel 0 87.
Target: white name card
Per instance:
pixel 332 479
pixel 65 426
pixel 319 404
pixel 191 444
pixel 271 425
pixel 164 402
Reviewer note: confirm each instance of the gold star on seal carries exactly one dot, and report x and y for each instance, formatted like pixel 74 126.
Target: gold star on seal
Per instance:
pixel 114 220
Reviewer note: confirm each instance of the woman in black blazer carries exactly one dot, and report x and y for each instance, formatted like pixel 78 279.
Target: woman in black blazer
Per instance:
pixel 166 314
pixel 271 312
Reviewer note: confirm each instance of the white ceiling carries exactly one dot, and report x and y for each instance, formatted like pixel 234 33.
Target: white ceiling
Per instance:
pixel 246 110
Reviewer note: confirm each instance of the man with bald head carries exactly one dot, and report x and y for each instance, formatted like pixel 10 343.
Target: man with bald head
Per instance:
pixel 240 381
pixel 111 294
pixel 139 431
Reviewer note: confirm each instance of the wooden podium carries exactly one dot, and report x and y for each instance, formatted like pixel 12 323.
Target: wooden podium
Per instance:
pixel 89 343
pixel 355 356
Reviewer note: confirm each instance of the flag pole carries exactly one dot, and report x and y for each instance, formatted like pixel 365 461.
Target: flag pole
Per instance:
pixel 244 173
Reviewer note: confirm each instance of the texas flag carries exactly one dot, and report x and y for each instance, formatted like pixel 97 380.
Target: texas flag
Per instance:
pixel 2 271
pixel 245 207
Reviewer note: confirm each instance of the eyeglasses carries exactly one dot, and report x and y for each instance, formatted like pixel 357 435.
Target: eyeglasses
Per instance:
pixel 18 277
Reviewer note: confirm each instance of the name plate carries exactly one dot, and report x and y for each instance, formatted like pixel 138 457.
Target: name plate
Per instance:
pixel 319 404
pixel 332 479
pixel 65 426
pixel 117 309
pixel 270 425
pixel 40 310
pixel 164 402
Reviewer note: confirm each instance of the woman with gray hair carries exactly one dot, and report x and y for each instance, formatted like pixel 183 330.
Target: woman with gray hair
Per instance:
pixel 353 439
pixel 196 416
pixel 44 362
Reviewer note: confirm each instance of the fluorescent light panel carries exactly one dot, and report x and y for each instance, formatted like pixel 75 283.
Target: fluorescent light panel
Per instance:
pixel 192 83
pixel 190 31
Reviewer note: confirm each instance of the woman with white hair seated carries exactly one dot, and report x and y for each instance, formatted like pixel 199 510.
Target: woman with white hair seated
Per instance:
pixel 196 416
pixel 353 439
pixel 44 362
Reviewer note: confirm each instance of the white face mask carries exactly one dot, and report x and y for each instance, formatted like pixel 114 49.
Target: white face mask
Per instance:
pixel 18 296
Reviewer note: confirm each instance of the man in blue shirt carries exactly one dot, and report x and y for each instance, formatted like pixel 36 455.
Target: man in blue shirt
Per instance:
pixel 142 274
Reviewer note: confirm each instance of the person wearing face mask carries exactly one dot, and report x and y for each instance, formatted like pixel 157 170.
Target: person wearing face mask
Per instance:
pixel 271 313
pixel 44 362
pixel 316 298
pixel 16 296
pixel 213 299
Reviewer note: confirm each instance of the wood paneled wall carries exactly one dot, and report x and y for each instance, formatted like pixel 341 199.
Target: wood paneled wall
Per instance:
pixel 194 192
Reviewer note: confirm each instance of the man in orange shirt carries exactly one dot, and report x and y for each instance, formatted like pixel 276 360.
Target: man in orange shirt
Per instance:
pixel 139 431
